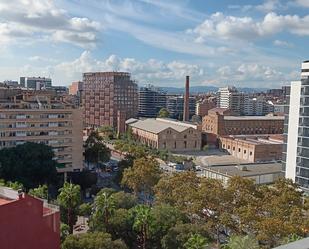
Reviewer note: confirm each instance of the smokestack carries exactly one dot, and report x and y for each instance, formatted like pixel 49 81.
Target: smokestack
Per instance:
pixel 186 101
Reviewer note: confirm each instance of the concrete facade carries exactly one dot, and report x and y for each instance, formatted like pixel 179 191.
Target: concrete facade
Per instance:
pixel 41 118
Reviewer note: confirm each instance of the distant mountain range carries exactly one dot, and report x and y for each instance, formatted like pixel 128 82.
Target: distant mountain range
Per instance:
pixel 205 89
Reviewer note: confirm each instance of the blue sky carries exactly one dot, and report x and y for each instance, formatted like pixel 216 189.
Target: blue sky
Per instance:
pixel 242 43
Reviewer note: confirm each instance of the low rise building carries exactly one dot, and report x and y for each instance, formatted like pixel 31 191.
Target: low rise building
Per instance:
pixel 265 173
pixel 41 117
pixel 220 122
pixel 166 134
pixel 27 222
pixel 258 148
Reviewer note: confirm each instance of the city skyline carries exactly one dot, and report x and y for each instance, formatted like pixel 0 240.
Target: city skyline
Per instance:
pixel 159 42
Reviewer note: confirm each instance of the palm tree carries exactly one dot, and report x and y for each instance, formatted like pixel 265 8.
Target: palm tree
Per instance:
pixel 104 205
pixel 196 241
pixel 142 222
pixel 69 199
pixel 242 242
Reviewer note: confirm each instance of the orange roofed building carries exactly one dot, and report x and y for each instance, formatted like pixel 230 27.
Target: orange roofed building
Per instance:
pixel 27 222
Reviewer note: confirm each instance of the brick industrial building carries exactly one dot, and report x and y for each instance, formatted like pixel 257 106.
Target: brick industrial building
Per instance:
pixel 220 122
pixel 109 99
pixel 257 148
pixel 166 134
pixel 42 117
pixel 27 222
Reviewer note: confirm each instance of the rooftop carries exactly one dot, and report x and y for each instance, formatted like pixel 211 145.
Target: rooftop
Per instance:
pixel 158 125
pixel 247 170
pixel 257 139
pixel 257 118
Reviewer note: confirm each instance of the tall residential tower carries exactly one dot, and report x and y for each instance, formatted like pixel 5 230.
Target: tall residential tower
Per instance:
pixel 109 97
pixel 296 154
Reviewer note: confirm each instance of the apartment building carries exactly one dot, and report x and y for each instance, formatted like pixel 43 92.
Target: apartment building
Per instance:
pixel 204 105
pixel 166 134
pixel 296 153
pixel 253 148
pixel 150 100
pixel 175 106
pixel 220 122
pixel 109 98
pixel 42 117
pixel 259 106
pixel 36 83
pixel 231 98
pixel 27 222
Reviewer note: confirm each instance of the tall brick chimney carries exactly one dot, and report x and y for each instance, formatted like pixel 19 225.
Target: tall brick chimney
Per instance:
pixel 186 101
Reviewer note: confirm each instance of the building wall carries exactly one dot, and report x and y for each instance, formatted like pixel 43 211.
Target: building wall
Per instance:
pixel 106 93
pixel 59 128
pixel 203 107
pixel 251 152
pixel 23 225
pixel 216 124
pixel 258 179
pixel 169 139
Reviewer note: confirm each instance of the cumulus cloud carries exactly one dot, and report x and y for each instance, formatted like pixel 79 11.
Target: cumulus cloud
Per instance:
pixel 280 43
pixel 152 70
pixel 251 72
pixel 22 19
pixel 246 28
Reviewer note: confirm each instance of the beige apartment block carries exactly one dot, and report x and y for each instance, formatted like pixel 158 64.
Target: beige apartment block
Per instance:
pixel 42 118
pixel 166 134
pixel 253 148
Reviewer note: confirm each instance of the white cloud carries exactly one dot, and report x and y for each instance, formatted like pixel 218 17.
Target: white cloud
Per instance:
pixel 29 19
pixel 304 3
pixel 280 43
pixel 246 28
pixel 152 70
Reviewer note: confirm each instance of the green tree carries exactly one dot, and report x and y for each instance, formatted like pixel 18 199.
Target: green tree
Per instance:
pixel 104 207
pixel 196 241
pixel 142 222
pixel 12 185
pixel 164 218
pixel 107 132
pixel 242 242
pixel 177 190
pixel 96 240
pixel 30 164
pixel 124 200
pixel 64 231
pixel 178 235
pixel 85 209
pixel 121 226
pixel 163 113
pixel 142 176
pixel 41 192
pixel 69 199
pixel 95 149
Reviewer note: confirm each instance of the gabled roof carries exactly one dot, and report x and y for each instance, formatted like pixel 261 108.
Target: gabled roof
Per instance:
pixel 156 126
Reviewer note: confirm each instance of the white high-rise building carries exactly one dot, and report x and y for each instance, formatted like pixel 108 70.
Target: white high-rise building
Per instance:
pixel 231 98
pixel 296 154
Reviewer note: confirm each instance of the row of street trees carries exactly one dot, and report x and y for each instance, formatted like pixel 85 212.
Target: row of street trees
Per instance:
pixel 184 211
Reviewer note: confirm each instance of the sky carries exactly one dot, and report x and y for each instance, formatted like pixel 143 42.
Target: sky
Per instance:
pixel 256 43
